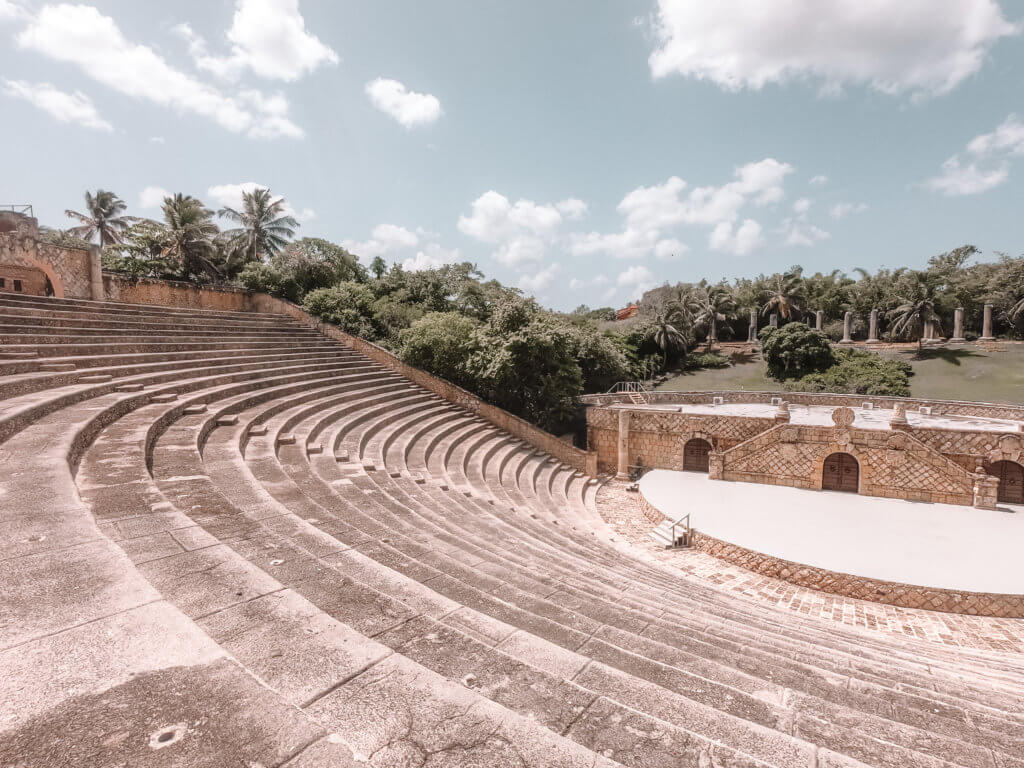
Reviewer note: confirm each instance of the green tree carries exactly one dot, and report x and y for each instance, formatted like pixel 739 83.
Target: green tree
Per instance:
pixel 443 343
pixel 103 219
pixel 264 227
pixel 190 237
pixel 671 330
pixel 348 305
pixel 785 294
pixel 378 267
pixel 710 305
pixel 794 350
pixel 916 308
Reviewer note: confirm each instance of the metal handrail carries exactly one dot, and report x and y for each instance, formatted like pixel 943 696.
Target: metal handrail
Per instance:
pixel 26 209
pixel 680 521
pixel 627 386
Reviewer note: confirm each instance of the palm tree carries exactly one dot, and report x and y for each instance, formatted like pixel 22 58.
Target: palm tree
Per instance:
pixel 710 305
pixel 191 236
pixel 264 226
pixel 785 293
pixel 916 309
pixel 1017 309
pixel 668 328
pixel 103 218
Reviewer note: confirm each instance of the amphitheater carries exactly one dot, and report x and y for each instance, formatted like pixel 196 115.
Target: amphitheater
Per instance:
pixel 237 538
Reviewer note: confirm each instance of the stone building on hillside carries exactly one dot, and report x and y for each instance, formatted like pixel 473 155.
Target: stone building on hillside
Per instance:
pixel 32 266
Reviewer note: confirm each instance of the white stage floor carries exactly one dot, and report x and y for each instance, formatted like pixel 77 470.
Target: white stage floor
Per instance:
pixel 931 545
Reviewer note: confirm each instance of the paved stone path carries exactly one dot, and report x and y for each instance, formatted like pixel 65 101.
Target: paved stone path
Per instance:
pixel 619 508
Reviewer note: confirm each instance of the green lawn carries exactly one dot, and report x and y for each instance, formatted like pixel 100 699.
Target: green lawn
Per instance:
pixel 966 372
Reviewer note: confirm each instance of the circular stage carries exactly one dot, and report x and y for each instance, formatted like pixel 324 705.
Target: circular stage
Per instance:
pixel 939 556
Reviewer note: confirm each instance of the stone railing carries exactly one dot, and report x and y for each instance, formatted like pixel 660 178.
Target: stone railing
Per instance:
pixel 939 407
pixel 584 461
pixel 175 293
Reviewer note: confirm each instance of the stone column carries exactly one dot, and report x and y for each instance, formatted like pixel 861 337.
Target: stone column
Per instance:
pixel 773 321
pixel 958 325
pixel 752 328
pixel 819 320
pixel 873 328
pixel 847 328
pixel 623 468
pixel 929 330
pixel 986 327
pixel 95 274
pixel 899 417
pixel 782 413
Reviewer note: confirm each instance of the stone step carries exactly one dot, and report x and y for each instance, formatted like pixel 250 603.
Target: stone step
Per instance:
pixel 54 367
pixel 95 378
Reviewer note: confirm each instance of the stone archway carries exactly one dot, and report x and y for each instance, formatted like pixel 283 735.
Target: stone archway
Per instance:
pixel 696 455
pixel 1011 481
pixel 840 472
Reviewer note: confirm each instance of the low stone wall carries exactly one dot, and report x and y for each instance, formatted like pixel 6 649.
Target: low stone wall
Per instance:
pixel 584 461
pixel 170 293
pixel 847 585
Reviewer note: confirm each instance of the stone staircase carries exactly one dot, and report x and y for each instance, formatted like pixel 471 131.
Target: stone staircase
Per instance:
pixel 232 541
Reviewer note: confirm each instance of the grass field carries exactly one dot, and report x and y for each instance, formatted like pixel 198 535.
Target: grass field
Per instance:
pixel 967 372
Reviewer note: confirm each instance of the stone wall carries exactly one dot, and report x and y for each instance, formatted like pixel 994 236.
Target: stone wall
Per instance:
pixel 169 293
pixel 72 272
pixel 939 407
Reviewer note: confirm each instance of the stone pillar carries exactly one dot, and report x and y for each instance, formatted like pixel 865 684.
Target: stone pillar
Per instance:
pixel 752 328
pixel 96 292
pixel 623 468
pixel 899 417
pixel 873 328
pixel 782 412
pixel 773 321
pixel 986 491
pixel 847 328
pixel 819 320
pixel 986 326
pixel 929 330
pixel 958 325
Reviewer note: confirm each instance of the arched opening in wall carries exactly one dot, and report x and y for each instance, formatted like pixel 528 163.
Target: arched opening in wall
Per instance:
pixel 696 455
pixel 48 288
pixel 25 280
pixel 1011 481
pixel 840 472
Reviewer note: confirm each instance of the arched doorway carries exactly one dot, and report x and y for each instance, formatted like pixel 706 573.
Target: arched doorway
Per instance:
pixel 840 472
pixel 696 455
pixel 1011 481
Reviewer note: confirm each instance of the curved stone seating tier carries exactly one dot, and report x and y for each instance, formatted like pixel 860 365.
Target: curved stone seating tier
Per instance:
pixel 280 553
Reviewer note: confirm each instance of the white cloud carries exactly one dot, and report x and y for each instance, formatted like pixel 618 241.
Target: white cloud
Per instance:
pixel 539 281
pixel 431 257
pixel 842 210
pixel 522 231
pixel 669 248
pixel 957 180
pixel 572 208
pixel 989 164
pixel 637 279
pixel 268 37
pixel 798 230
pixel 384 240
pixel 230 196
pixel 81 35
pixel 803 205
pixel 11 11
pixel 66 107
pixel 157 140
pixel 920 47
pixel 152 197
pixel 818 181
pixel 741 242
pixel 652 211
pixel 407 107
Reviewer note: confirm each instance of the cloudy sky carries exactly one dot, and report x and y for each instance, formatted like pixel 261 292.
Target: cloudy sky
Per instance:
pixel 583 150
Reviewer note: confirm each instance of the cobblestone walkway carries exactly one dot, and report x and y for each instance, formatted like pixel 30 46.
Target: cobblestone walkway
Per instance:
pixel 619 509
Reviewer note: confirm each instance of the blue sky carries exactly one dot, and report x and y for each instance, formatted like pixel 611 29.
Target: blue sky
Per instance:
pixel 581 150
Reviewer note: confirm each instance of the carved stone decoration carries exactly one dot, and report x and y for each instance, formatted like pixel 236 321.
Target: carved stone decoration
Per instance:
pixel 843 417
pixel 1010 444
pixel 788 435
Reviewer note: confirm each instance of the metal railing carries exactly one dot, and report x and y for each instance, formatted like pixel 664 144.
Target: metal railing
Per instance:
pixel 684 523
pixel 24 209
pixel 637 393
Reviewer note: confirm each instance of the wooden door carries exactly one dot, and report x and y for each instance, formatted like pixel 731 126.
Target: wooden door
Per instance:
pixel 696 454
pixel 840 473
pixel 1011 481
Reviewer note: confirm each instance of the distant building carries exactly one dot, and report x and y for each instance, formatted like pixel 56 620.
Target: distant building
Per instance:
pixel 628 312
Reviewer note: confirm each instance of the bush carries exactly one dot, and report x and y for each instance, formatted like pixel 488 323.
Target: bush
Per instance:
pixel 705 360
pixel 348 305
pixel 794 350
pixel 442 343
pixel 257 276
pixel 858 372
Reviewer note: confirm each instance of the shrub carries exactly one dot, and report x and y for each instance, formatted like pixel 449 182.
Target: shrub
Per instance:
pixel 348 305
pixel 257 276
pixel 705 360
pixel 442 343
pixel 794 350
pixel 858 372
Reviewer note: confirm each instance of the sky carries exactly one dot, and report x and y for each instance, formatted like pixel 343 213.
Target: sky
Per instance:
pixel 582 150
